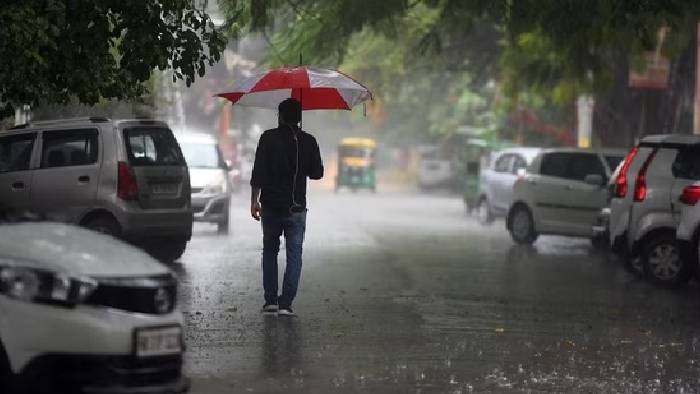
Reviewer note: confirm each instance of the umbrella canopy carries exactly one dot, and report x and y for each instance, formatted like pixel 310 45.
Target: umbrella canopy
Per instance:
pixel 314 88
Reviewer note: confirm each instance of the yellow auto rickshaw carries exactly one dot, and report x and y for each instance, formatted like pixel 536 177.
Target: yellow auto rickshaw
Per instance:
pixel 356 164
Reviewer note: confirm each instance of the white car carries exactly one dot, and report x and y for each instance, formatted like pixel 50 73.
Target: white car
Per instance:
pixel 645 208
pixel 497 179
pixel 84 312
pixel 211 186
pixel 561 194
pixel 434 171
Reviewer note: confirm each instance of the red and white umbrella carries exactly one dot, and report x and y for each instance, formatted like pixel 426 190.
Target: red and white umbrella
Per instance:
pixel 314 88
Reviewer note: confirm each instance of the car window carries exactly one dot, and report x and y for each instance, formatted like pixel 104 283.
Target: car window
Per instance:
pixel 16 152
pixel 202 155
pixel 519 164
pixel 581 165
pixel 64 148
pixel 152 146
pixel 555 164
pixel 687 164
pixel 503 163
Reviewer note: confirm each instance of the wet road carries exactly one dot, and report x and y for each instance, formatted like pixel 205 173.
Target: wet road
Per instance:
pixel 403 293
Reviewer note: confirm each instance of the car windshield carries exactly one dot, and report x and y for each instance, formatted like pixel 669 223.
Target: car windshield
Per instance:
pixel 353 151
pixel 152 146
pixel 201 155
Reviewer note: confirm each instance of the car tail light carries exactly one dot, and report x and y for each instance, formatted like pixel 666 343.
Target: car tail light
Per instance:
pixel 127 189
pixel 640 184
pixel 691 195
pixel 621 181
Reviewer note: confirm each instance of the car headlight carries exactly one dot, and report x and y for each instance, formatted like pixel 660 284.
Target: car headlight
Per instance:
pixel 43 286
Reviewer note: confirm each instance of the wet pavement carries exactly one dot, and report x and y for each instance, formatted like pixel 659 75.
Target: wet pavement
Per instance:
pixel 404 294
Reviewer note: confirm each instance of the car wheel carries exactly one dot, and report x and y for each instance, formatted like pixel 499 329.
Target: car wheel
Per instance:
pixel 166 250
pixel 103 224
pixel 662 262
pixel 483 211
pixel 522 226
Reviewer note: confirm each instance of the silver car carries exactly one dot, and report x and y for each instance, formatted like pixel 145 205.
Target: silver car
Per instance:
pixel 646 207
pixel 211 189
pixel 497 179
pixel 126 178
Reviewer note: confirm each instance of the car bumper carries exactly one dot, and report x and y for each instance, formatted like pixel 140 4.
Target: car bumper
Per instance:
pixel 157 223
pixel 32 331
pixel 211 208
pixel 107 374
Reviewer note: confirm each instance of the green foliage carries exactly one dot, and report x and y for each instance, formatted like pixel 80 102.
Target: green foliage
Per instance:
pixel 428 59
pixel 58 51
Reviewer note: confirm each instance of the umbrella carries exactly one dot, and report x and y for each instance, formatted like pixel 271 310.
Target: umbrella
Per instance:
pixel 315 88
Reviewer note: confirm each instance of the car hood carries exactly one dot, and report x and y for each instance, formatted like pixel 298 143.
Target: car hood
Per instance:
pixel 201 177
pixel 74 250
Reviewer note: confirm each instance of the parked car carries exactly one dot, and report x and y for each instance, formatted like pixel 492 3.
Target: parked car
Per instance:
pixel 434 170
pixel 561 194
pixel 645 207
pixel 125 178
pixel 211 188
pixel 85 312
pixel 688 232
pixel 497 179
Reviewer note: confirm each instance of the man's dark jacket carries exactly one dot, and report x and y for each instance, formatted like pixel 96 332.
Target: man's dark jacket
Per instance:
pixel 275 165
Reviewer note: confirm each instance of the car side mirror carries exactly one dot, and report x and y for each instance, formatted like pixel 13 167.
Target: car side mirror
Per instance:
pixel 594 179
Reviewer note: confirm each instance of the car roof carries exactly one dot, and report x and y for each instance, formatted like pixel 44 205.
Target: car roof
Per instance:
pixel 527 151
pixel 80 122
pixel 680 139
pixel 603 151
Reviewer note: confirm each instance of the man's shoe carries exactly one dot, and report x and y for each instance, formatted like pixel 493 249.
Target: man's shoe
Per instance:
pixel 286 311
pixel 269 308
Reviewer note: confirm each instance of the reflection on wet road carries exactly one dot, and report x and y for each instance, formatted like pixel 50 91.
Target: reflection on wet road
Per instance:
pixel 403 293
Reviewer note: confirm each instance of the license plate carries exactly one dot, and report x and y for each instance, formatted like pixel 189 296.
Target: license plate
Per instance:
pixel 158 341
pixel 164 188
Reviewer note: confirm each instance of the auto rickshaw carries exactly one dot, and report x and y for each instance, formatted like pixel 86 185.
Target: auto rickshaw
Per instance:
pixel 356 164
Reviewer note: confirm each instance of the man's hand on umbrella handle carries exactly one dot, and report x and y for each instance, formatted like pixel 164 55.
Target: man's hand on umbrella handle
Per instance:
pixel 255 210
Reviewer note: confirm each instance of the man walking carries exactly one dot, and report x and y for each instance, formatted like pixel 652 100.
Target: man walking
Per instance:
pixel 285 157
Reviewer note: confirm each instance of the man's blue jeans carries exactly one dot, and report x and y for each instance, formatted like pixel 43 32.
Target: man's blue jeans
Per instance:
pixel 293 226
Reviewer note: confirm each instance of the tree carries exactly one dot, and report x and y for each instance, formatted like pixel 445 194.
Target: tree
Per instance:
pixel 59 51
pixel 555 49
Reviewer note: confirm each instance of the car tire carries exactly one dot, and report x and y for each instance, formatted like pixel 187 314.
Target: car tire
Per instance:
pixel 662 261
pixel 166 250
pixel 522 226
pixel 103 224
pixel 484 214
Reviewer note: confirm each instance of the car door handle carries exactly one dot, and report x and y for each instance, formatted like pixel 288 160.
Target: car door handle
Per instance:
pixel 84 179
pixel 18 186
